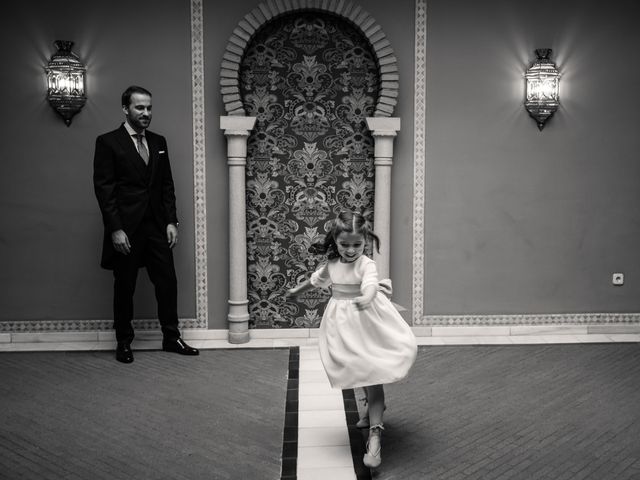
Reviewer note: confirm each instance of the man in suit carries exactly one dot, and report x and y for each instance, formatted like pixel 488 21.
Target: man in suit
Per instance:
pixel 134 187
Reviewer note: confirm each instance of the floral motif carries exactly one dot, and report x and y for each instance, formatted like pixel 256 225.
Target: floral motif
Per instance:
pixel 311 80
pixel 309 34
pixel 263 192
pixel 309 120
pixel 309 163
pixel 265 276
pixel 311 204
pixel 263 105
pixel 353 108
pixel 299 250
pixel 267 237
pixel 311 319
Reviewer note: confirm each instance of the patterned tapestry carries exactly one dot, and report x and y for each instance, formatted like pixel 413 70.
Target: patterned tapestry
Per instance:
pixel 310 80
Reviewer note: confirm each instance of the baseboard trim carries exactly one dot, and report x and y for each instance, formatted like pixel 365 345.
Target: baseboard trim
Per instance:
pixel 531 319
pixel 218 338
pixel 101 330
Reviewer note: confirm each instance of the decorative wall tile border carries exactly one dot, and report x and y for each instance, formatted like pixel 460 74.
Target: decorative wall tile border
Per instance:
pixel 532 319
pixel 419 158
pixel 266 11
pixel 199 164
pixel 36 326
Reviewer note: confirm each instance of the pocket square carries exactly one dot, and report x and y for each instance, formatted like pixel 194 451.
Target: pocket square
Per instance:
pixel 161 151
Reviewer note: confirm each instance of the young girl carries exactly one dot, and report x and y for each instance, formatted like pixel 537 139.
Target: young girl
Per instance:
pixel 363 340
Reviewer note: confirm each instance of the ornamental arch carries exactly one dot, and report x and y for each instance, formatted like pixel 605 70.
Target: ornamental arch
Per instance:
pixel 309 93
pixel 271 10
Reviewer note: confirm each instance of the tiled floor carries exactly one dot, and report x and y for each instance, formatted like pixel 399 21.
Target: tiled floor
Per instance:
pixel 83 416
pixel 323 439
pixel 324 450
pixel 323 442
pixel 550 409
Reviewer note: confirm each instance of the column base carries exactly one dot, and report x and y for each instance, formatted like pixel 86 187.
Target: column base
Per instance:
pixel 238 322
pixel 239 337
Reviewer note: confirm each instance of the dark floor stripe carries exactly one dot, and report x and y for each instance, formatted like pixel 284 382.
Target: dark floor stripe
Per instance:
pixel 356 439
pixel 290 436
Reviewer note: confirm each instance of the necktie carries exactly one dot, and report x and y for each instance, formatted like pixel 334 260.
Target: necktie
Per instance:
pixel 142 150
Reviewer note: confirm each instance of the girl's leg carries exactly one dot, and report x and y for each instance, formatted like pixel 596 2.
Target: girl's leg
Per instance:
pixel 375 395
pixel 375 400
pixel 364 419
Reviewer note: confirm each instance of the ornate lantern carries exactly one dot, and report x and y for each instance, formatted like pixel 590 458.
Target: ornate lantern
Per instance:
pixel 542 87
pixel 66 81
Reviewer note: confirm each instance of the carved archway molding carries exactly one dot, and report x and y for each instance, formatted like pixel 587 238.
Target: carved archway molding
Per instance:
pixel 237 128
pixel 271 9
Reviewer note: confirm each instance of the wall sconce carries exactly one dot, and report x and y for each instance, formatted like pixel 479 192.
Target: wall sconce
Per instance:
pixel 542 87
pixel 66 81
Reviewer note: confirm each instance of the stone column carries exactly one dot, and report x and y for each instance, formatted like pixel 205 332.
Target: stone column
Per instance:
pixel 237 129
pixel 384 130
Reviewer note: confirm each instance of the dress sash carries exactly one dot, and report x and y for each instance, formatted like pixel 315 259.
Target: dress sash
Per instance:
pixel 345 291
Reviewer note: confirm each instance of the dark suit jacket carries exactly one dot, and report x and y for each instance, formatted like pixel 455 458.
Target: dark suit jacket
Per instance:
pixel 125 186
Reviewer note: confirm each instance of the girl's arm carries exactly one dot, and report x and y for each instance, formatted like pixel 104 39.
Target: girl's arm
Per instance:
pixel 365 299
pixel 298 289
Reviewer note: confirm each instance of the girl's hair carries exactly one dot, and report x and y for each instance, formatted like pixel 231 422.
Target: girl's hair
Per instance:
pixel 349 222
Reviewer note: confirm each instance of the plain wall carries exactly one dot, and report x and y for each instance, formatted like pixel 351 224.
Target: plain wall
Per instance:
pixel 517 220
pixel 51 238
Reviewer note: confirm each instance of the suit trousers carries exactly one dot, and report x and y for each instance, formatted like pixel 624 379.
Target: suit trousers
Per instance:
pixel 149 248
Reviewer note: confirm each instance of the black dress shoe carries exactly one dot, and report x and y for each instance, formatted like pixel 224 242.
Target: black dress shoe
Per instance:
pixel 178 346
pixel 124 353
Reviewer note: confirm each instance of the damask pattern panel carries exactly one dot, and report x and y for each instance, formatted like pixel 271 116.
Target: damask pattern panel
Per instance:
pixel 311 80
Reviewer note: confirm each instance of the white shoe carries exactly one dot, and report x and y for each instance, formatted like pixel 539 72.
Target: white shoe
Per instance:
pixel 373 457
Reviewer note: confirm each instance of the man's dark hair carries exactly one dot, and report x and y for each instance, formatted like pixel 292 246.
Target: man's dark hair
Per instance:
pixel 126 95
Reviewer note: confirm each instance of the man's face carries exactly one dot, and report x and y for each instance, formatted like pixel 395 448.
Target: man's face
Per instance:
pixel 138 112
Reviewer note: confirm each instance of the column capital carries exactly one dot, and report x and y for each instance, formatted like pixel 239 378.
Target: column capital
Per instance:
pixel 384 126
pixel 236 125
pixel 237 130
pixel 383 130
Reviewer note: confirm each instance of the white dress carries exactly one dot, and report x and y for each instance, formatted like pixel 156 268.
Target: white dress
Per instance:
pixel 361 347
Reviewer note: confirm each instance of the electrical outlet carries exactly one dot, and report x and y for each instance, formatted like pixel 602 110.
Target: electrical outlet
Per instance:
pixel 617 279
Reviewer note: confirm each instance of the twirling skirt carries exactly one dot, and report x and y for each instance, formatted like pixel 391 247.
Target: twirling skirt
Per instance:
pixel 364 347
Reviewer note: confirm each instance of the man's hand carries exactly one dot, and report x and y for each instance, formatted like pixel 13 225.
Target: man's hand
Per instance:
pixel 121 242
pixel 172 235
